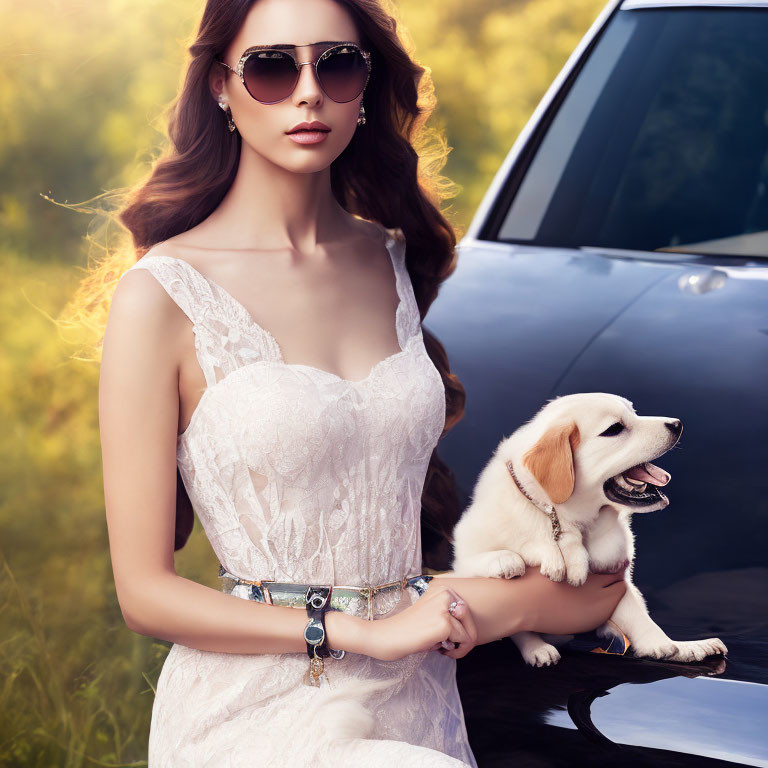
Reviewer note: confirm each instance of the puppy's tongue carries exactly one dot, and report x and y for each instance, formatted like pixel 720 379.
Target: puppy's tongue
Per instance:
pixel 649 473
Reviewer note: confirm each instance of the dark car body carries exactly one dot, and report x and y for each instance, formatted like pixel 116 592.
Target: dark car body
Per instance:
pixel 623 247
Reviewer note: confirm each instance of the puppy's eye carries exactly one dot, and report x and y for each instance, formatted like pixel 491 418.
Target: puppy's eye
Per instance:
pixel 613 430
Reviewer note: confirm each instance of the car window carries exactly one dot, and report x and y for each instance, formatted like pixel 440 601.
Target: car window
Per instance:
pixel 661 142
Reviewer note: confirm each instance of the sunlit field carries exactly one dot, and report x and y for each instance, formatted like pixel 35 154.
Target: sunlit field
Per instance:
pixel 83 87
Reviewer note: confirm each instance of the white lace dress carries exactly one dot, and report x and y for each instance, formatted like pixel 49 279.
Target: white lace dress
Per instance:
pixel 299 475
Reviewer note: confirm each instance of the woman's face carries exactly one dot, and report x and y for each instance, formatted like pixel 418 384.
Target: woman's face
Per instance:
pixel 263 127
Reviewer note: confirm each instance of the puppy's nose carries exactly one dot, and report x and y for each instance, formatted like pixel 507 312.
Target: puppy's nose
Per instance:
pixel 675 426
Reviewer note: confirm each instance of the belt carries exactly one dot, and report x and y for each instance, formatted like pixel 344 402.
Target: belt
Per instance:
pixel 363 601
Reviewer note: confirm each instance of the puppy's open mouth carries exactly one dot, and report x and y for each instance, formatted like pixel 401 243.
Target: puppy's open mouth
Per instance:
pixel 638 486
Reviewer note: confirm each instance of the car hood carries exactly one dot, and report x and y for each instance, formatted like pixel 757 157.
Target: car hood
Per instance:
pixel 525 324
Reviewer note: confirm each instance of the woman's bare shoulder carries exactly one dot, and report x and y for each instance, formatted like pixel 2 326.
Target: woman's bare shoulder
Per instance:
pixel 143 314
pixel 140 294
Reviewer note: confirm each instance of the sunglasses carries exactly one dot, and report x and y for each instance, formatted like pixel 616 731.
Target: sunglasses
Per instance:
pixel 270 72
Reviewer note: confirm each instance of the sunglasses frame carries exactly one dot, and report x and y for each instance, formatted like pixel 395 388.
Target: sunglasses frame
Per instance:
pixel 238 70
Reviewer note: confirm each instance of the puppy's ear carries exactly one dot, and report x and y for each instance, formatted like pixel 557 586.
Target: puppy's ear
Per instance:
pixel 551 461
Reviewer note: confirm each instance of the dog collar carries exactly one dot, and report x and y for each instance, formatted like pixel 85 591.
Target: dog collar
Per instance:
pixel 547 509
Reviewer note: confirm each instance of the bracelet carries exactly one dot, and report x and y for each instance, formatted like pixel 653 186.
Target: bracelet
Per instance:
pixel 317 601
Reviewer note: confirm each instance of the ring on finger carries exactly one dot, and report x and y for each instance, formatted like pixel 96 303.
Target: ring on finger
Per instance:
pixel 452 607
pixel 449 645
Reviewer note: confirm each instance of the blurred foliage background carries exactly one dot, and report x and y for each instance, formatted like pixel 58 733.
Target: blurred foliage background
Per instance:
pixel 82 89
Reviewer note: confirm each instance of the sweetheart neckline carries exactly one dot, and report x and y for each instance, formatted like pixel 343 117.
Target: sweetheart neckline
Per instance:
pixel 282 364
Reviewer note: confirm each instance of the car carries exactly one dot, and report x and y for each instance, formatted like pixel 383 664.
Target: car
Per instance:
pixel 622 247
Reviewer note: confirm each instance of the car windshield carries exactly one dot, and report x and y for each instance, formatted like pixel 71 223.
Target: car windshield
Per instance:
pixel 661 143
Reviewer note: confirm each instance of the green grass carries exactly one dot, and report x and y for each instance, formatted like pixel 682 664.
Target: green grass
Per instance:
pixel 76 685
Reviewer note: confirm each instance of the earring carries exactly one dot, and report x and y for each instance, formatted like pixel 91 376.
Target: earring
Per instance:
pixel 361 115
pixel 230 123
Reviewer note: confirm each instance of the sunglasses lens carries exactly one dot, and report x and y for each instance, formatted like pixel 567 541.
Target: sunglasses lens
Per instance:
pixel 343 74
pixel 270 76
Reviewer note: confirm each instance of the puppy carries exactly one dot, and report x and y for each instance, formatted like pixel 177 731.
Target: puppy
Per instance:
pixel 558 494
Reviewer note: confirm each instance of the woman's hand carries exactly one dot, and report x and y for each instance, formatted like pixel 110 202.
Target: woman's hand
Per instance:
pixel 423 626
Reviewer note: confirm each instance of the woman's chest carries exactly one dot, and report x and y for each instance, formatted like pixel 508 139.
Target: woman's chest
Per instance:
pixel 292 418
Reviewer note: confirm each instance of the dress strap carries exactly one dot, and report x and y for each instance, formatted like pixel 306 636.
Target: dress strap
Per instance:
pixel 409 321
pixel 221 343
pixel 178 282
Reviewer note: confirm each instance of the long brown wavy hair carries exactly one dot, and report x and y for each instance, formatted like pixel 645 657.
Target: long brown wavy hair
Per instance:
pixel 394 151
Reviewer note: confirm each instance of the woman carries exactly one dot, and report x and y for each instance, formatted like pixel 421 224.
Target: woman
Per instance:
pixel 303 448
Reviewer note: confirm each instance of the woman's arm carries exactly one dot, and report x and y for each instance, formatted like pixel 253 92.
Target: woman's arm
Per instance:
pixel 533 602
pixel 138 422
pixel 182 611
pixel 491 609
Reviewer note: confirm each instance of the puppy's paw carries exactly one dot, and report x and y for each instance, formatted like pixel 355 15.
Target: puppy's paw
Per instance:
pixel 661 650
pixel 497 564
pixel 508 565
pixel 553 568
pixel 543 655
pixel 578 572
pixel 697 650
